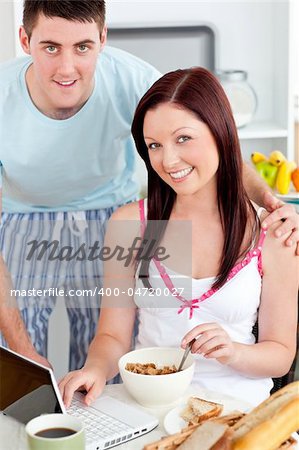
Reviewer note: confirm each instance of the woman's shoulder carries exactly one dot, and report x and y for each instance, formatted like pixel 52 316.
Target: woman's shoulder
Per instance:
pixel 124 225
pixel 276 252
pixel 130 211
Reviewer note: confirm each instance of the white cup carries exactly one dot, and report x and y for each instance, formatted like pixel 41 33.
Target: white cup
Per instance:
pixel 55 423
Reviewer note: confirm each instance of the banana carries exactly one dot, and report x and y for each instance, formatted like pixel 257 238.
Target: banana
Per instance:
pixel 257 157
pixel 283 179
pixel 276 158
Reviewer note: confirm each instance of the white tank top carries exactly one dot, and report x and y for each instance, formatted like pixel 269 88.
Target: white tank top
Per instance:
pixel 165 318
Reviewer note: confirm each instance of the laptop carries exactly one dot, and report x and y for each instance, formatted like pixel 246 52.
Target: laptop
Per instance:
pixel 28 389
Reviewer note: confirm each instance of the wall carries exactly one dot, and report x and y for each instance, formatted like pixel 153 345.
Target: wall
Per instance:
pixel 296 64
pixel 246 45
pixel 249 35
pixel 7 33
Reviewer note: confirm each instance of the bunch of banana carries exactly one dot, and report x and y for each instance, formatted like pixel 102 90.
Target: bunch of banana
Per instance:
pixel 275 170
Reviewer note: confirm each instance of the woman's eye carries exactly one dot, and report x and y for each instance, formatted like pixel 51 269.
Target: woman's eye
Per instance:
pixel 153 146
pixel 51 49
pixel 82 48
pixel 182 139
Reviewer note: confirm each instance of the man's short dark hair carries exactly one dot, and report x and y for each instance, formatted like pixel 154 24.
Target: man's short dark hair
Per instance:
pixel 76 10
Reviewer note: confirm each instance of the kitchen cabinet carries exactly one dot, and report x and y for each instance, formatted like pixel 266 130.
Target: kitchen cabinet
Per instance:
pixel 246 35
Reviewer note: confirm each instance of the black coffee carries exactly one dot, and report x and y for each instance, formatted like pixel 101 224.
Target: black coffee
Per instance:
pixel 53 433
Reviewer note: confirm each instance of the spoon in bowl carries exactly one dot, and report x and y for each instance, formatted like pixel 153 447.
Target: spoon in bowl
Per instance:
pixel 186 353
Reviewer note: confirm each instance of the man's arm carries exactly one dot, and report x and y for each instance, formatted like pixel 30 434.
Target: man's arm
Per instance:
pixel 284 214
pixel 255 186
pixel 11 324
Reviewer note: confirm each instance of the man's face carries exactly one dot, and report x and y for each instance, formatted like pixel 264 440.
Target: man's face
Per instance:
pixel 64 55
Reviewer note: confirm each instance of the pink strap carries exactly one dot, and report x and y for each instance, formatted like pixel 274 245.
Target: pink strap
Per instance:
pixel 262 238
pixel 169 284
pixel 142 216
pixel 259 250
pixel 164 275
pixel 194 303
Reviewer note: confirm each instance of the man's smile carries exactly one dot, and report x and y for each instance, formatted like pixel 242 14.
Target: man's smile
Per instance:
pixel 66 84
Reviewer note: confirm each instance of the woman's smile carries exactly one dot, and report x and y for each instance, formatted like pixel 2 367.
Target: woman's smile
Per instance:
pixel 181 175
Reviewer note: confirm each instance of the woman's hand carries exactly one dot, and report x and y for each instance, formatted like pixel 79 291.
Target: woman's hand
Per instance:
pixel 89 379
pixel 212 341
pixel 286 218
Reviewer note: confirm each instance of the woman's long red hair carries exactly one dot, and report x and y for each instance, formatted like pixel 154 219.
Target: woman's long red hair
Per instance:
pixel 197 90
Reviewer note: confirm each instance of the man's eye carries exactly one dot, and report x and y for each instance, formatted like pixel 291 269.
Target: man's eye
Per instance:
pixel 82 48
pixel 51 49
pixel 182 139
pixel 153 146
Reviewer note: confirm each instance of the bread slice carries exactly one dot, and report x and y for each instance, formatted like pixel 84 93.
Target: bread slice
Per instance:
pixel 199 410
pixel 231 419
pixel 210 435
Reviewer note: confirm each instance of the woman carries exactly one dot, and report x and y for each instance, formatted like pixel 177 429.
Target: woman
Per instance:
pixel 184 130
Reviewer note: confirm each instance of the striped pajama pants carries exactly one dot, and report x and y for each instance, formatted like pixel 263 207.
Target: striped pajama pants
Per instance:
pixel 16 235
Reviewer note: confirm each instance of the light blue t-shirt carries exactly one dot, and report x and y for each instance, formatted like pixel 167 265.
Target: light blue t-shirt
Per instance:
pixel 81 163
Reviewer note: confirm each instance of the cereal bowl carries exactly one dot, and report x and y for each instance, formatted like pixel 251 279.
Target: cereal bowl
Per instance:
pixel 156 390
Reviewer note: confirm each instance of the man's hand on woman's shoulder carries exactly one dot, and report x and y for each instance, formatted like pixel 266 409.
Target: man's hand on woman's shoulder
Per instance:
pixel 286 218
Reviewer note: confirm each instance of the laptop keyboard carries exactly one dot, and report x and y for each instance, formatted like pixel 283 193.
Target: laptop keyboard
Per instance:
pixel 100 425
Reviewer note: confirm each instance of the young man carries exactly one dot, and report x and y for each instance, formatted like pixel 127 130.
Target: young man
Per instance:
pixel 68 162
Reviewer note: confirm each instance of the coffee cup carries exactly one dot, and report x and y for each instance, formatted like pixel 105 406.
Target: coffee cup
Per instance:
pixel 55 432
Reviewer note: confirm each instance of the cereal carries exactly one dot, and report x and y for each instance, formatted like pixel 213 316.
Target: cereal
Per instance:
pixel 150 369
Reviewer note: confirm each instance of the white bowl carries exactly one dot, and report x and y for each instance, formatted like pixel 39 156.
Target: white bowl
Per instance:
pixel 157 390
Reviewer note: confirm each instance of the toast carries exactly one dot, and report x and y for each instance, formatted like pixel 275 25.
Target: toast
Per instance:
pixel 198 410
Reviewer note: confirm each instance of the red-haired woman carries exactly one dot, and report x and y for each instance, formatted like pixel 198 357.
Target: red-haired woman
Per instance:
pixel 235 273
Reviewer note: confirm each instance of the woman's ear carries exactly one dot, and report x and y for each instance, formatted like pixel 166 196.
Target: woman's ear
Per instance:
pixel 24 40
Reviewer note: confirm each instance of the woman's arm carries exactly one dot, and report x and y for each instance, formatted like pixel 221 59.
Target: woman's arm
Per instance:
pixel 273 354
pixel 118 311
pixel 111 341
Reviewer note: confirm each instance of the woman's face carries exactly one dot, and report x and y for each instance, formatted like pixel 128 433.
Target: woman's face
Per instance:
pixel 181 148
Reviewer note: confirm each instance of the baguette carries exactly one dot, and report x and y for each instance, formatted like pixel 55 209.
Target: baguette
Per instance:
pixel 271 423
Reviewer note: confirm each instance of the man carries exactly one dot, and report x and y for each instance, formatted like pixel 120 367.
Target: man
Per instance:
pixel 67 163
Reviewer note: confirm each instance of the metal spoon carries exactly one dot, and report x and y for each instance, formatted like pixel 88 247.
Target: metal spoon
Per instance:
pixel 186 353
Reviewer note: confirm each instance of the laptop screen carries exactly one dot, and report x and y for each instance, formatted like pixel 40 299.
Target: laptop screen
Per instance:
pixel 26 389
